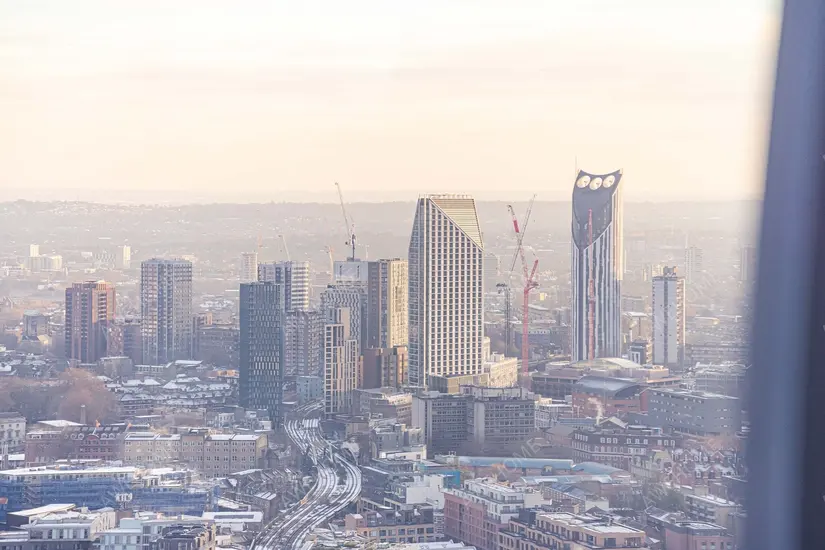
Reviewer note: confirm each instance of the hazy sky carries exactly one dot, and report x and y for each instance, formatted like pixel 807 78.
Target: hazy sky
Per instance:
pixel 276 100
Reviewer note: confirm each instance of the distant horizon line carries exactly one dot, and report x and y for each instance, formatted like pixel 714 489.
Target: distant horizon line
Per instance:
pixel 354 202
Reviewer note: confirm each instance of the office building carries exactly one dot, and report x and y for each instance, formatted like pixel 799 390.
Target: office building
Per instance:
pixel 694 264
pixel 249 267
pixel 213 454
pixel 694 412
pixel 597 265
pixel 303 343
pixel 219 345
pixel 446 299
pixel 125 256
pixel 132 339
pixel 166 310
pixel 384 367
pixel 717 352
pixel 295 278
pixel 340 363
pixel 668 318
pixel 488 417
pixel 352 296
pixel 747 264
pixel 261 342
pixel 387 289
pixel 90 310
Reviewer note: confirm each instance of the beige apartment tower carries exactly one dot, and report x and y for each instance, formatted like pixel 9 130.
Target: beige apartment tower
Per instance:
pixel 446 282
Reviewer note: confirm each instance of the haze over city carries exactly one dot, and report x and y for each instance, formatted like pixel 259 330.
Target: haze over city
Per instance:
pixel 197 102
pixel 370 275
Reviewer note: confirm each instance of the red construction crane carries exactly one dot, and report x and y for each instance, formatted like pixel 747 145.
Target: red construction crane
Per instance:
pixel 529 282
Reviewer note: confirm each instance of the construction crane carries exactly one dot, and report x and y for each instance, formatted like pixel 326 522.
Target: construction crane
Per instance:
pixel 529 282
pixel 349 225
pixel 286 250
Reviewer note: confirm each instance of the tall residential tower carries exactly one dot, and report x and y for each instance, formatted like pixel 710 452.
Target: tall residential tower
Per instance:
pixel 261 373
pixel 90 310
pixel 294 276
pixel 387 313
pixel 597 266
pixel 668 318
pixel 166 310
pixel 446 298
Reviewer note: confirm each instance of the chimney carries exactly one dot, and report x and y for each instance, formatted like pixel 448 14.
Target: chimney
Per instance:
pixel 83 414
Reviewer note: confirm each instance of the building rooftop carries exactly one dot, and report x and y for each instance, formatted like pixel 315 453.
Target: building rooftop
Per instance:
pixel 676 392
pixel 507 462
pixel 49 471
pixel 47 509
pixel 59 423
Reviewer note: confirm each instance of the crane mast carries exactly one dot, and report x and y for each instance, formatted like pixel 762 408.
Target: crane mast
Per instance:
pixel 349 226
pixel 529 284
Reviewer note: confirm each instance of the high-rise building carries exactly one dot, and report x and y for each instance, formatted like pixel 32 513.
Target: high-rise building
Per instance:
pixel 387 288
pixel 295 278
pixel 384 367
pixel 668 318
pixel 446 298
pixel 166 310
pixel 132 340
pixel 351 271
pixel 352 296
pixel 694 264
pixel 249 267
pixel 747 264
pixel 303 343
pixel 340 363
pixel 125 256
pixel 34 250
pixel 90 309
pixel 261 341
pixel 597 266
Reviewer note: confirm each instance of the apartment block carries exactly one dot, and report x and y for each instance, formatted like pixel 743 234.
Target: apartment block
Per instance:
pixel 262 348
pixel 340 363
pixel 387 303
pixel 409 525
pixel 90 310
pixel 618 444
pixel 166 310
pixel 481 508
pixel 536 530
pixel 303 343
pixel 12 432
